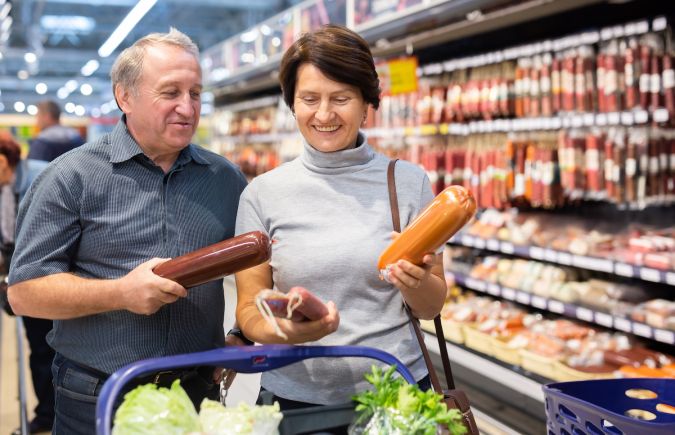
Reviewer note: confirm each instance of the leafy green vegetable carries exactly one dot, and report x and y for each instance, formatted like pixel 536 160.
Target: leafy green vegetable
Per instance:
pixel 150 410
pixel 241 420
pixel 394 406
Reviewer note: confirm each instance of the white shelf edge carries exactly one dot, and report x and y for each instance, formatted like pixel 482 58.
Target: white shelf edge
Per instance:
pixel 500 374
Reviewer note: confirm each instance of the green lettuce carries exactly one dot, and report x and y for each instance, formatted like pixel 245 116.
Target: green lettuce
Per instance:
pixel 241 420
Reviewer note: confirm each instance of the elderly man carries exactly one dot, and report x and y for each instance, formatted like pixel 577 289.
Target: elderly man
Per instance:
pixel 104 215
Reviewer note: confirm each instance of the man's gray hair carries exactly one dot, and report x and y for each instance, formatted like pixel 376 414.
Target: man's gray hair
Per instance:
pixel 127 69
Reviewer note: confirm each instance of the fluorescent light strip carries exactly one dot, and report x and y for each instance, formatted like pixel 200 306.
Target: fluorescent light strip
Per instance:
pixel 128 23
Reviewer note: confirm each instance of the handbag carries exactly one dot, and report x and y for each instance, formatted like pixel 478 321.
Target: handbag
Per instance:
pixel 453 397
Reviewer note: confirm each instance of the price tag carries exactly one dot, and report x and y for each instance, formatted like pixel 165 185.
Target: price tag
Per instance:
pixel 509 293
pixel 506 248
pixel 565 258
pixel 591 263
pixel 622 324
pixel 670 278
pixel 577 121
pixel 475 284
pixel 539 302
pixel 627 118
pixel 649 274
pixel 443 129
pixel 664 336
pixel 659 24
pixel 641 117
pixel 494 289
pixel 623 269
pixel 493 245
pixel 603 319
pixel 536 253
pixel 642 330
pixel 551 255
pixel 402 75
pixel 584 314
pixel 428 130
pixel 479 243
pixel 410 131
pixel 660 115
pixel 556 306
pixel 613 118
pixel 523 298
pixel 601 119
pixel 589 119
pixel 467 240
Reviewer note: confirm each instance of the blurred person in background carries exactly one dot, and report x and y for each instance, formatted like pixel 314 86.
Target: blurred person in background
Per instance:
pixel 102 216
pixel 54 139
pixel 16 177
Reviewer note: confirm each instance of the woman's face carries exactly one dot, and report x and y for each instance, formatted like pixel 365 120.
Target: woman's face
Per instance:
pixel 328 113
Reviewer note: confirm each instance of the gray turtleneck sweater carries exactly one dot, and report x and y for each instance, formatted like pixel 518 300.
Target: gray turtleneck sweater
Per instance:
pixel 330 216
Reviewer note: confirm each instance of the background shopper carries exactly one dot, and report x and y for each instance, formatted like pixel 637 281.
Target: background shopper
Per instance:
pixel 54 139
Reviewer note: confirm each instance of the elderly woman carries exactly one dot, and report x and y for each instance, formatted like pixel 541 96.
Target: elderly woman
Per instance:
pixel 329 212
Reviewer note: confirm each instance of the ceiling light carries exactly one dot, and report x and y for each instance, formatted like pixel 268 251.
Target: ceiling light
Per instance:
pixel 6 24
pixel 30 57
pixel 2 107
pixel 70 107
pixel 19 106
pixel 41 88
pixel 62 93
pixel 86 89
pixel 22 74
pixel 128 23
pixel 105 108
pixel 67 23
pixel 95 112
pixel 5 10
pixel 1 56
pixel 71 85
pixel 89 68
pixel 249 36
pixel 79 110
pixel 32 109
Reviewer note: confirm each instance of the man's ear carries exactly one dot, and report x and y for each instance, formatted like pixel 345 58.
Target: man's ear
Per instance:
pixel 122 97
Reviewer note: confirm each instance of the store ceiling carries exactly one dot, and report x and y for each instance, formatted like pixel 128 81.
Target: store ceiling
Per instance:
pixel 64 35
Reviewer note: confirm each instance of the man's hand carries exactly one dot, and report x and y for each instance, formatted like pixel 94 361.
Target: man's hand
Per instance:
pixel 144 292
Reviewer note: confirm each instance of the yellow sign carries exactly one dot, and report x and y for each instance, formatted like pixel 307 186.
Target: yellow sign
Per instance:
pixel 403 75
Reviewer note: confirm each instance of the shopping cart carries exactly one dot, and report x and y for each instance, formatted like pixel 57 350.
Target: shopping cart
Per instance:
pixel 611 407
pixel 245 359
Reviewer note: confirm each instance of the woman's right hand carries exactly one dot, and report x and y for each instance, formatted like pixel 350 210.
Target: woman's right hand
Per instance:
pixel 310 330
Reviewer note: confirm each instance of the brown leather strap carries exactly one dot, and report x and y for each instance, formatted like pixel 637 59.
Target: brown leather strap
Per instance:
pixel 435 383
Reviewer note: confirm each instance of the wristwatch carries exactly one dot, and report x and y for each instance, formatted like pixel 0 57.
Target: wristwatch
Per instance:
pixel 237 333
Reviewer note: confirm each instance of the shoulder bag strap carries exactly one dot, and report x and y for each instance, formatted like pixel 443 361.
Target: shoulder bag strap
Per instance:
pixel 435 383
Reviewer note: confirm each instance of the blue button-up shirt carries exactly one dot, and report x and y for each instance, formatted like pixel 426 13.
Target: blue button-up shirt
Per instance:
pixel 104 208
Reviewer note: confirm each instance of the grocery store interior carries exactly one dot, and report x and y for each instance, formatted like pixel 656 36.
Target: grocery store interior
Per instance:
pixel 557 115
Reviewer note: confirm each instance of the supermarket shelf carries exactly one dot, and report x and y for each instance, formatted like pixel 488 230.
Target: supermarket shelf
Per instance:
pixel 569 310
pixel 497 372
pixel 571 120
pixel 568 259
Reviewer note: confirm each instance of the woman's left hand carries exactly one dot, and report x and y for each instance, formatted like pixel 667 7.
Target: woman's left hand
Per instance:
pixel 408 276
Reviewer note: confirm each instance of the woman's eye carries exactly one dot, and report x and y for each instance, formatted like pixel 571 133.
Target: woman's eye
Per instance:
pixel 342 100
pixel 309 100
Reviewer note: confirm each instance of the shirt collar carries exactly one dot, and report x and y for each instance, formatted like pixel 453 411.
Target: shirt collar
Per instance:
pixel 124 147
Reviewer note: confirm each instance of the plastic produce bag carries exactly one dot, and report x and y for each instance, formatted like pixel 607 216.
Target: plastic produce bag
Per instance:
pixel 244 419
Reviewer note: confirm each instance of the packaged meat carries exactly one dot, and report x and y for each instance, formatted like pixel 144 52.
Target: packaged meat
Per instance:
pixel 298 305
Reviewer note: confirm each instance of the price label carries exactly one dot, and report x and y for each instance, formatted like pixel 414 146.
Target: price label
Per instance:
pixel 577 121
pixel 659 24
pixel 601 119
pixel 603 319
pixel 539 302
pixel 494 289
pixel 475 284
pixel 523 298
pixel 589 119
pixel 493 245
pixel 622 324
pixel 551 255
pixel 565 258
pixel 649 274
pixel 479 243
pixel 591 263
pixel 402 75
pixel 623 269
pixel 642 330
pixel 627 118
pixel 641 117
pixel 467 240
pixel 670 278
pixel 536 253
pixel 506 248
pixel 660 115
pixel 443 129
pixel 613 118
pixel 509 293
pixel 556 306
pixel 584 314
pixel 428 130
pixel 664 336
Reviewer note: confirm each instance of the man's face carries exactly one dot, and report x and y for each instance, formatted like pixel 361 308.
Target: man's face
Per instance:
pixel 163 114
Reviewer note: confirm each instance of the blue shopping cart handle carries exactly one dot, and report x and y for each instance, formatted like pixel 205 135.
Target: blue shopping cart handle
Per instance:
pixel 243 359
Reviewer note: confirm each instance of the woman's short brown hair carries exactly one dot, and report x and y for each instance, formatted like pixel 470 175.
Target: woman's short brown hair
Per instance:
pixel 340 54
pixel 10 149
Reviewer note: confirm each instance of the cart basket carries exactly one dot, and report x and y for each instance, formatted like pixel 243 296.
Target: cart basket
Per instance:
pixel 243 359
pixel 611 406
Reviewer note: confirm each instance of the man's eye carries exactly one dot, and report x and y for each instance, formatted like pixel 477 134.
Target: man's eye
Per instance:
pixel 170 93
pixel 195 94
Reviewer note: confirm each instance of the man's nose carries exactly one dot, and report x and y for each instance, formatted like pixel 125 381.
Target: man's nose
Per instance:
pixel 185 105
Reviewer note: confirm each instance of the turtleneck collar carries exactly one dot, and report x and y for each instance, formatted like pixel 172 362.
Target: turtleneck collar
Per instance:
pixel 339 161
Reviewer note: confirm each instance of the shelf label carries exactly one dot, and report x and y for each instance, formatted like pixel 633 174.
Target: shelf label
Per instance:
pixel 565 258
pixel 641 117
pixel 613 118
pixel 467 240
pixel 402 75
pixel 670 278
pixel 623 269
pixel 622 324
pixel 584 314
pixel 536 253
pixel 556 306
pixel 506 248
pixel 428 130
pixel 603 319
pixel 493 245
pixel 479 243
pixel 475 284
pixel 551 255
pixel 601 119
pixel 443 129
pixel 660 115
pixel 494 290
pixel 589 119
pixel 649 274
pixel 627 118
pixel 664 336
pixel 642 330
pixel 539 302
pixel 523 298
pixel 591 263
pixel 509 293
